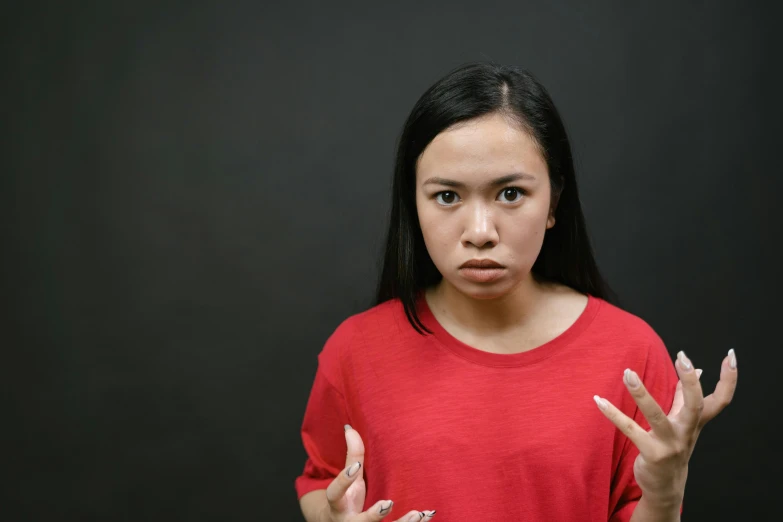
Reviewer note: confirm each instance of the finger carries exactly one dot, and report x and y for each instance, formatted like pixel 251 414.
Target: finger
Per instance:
pixel 354 468
pixel 692 396
pixel 378 511
pixel 355 448
pixel 337 488
pixel 651 410
pixel 417 516
pixel 724 391
pixel 625 424
pixel 678 400
pixel 411 516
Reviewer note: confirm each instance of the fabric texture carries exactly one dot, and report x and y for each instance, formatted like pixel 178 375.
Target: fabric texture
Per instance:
pixel 484 436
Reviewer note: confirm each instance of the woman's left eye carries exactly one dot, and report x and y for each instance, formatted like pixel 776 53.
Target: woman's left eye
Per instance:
pixel 510 193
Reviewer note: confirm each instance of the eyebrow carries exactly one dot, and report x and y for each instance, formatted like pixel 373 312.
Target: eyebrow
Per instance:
pixel 494 183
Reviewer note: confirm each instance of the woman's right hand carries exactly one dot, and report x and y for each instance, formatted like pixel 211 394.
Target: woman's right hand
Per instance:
pixel 346 493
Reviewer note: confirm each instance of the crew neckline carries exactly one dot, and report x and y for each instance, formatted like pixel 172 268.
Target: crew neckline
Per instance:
pixel 484 358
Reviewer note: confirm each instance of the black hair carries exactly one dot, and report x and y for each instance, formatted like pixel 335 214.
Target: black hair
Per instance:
pixel 468 92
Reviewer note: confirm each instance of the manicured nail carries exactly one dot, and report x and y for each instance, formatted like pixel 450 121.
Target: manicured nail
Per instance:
pixel 600 402
pixel 631 378
pixel 698 373
pixel 430 514
pixel 387 508
pixel 684 361
pixel 347 427
pixel 353 469
pixel 732 359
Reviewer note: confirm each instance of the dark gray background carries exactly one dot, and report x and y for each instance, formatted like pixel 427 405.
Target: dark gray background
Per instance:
pixel 194 196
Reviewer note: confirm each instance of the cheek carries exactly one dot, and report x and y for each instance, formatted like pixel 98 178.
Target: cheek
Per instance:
pixel 438 234
pixel 525 236
pixel 433 228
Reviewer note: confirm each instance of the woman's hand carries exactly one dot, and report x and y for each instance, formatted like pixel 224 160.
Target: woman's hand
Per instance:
pixel 347 491
pixel 661 468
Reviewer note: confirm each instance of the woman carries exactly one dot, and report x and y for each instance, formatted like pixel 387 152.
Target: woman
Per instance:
pixel 495 379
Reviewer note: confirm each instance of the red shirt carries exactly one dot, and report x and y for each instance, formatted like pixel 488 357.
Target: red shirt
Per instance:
pixel 484 436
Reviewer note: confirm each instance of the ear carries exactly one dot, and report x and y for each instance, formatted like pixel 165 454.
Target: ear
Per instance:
pixel 554 200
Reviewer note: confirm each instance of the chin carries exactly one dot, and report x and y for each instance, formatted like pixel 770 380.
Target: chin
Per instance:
pixel 483 291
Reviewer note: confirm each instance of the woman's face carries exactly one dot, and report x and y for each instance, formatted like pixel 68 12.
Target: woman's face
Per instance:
pixel 482 192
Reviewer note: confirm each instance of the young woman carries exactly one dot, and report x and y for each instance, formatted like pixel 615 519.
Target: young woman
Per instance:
pixel 496 378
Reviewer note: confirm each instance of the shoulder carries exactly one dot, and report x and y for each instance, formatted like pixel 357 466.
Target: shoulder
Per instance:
pixel 607 322
pixel 383 321
pixel 632 338
pixel 617 322
pixel 380 318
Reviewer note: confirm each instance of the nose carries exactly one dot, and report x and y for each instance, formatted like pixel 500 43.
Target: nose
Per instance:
pixel 480 230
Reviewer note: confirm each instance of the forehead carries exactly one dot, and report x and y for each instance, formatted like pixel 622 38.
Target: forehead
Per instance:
pixel 481 148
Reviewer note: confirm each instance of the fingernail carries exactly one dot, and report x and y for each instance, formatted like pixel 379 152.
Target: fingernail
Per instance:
pixel 698 373
pixel 684 361
pixel 347 427
pixel 600 402
pixel 631 378
pixel 385 509
pixel 732 359
pixel 430 514
pixel 353 469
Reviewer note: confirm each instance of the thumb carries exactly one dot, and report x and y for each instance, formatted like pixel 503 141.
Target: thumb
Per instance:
pixel 355 448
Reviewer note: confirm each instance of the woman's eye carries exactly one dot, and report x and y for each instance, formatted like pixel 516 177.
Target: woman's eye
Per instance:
pixel 446 197
pixel 512 194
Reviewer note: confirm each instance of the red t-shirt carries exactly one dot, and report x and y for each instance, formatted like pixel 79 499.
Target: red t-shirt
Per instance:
pixel 484 436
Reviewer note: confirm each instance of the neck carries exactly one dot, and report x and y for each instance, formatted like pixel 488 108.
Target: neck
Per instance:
pixel 486 316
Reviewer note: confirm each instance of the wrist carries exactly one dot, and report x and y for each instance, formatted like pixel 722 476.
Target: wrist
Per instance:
pixel 324 515
pixel 648 511
pixel 663 503
pixel 665 499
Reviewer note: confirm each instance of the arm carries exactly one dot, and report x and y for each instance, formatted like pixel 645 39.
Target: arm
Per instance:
pixel 648 511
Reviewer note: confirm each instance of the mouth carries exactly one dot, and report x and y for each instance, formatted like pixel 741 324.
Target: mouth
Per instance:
pixel 481 263
pixel 485 274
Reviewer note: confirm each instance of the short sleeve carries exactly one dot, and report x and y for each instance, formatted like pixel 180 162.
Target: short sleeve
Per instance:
pixel 325 416
pixel 660 378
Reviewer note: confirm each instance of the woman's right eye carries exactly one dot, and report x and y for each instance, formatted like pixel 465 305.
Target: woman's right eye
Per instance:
pixel 446 197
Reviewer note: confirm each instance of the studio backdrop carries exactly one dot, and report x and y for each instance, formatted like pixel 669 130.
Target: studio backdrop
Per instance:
pixel 194 196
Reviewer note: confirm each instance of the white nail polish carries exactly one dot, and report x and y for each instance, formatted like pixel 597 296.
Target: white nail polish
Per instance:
pixel 684 361
pixel 631 378
pixel 732 359
pixel 353 469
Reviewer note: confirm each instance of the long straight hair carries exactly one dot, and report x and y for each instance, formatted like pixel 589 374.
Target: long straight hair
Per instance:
pixel 468 92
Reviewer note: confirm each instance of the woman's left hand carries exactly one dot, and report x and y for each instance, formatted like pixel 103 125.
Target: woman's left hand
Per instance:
pixel 661 468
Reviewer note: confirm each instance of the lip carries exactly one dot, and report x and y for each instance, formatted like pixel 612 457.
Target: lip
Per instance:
pixel 481 263
pixel 482 275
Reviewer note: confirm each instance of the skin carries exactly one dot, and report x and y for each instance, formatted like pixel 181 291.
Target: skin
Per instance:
pixel 661 468
pixel 482 220
pixel 507 223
